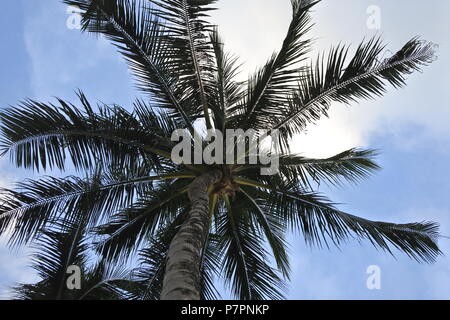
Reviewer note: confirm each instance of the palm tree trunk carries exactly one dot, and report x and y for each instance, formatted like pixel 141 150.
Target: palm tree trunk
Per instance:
pixel 182 276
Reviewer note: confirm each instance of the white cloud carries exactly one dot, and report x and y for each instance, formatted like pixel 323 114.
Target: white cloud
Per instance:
pixel 254 29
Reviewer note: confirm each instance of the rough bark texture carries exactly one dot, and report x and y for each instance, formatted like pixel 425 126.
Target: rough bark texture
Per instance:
pixel 182 276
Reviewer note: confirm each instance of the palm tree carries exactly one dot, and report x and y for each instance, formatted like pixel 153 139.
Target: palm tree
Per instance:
pixel 63 245
pixel 193 223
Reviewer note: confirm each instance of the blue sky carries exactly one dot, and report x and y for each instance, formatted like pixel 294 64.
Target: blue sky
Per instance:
pixel 42 58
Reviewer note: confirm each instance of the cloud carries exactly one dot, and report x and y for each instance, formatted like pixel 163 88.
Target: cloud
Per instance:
pixel 255 29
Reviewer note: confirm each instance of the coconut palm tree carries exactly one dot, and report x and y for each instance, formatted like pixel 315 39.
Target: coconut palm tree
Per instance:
pixel 64 245
pixel 193 223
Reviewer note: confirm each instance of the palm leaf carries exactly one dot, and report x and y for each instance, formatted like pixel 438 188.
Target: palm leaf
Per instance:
pixel 105 281
pixel 244 265
pixel 64 245
pixel 142 40
pixel 227 91
pixel 320 222
pixel 40 135
pixel 268 88
pixel 352 165
pixel 124 233
pixel 365 76
pixel 185 20
pixel 38 201
pixel 60 247
pixel 272 225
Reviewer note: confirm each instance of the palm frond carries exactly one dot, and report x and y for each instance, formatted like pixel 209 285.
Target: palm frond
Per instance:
pixel 105 281
pixel 245 260
pixel 320 222
pixel 143 42
pixel 126 230
pixel 39 135
pixel 185 20
pixel 227 91
pixel 159 122
pixel 58 248
pixel 35 202
pixel 210 268
pixel 273 226
pixel 364 77
pixel 63 245
pixel 268 88
pixel 150 272
pixel 352 165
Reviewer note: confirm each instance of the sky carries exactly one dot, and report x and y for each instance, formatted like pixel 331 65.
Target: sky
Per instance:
pixel 43 58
